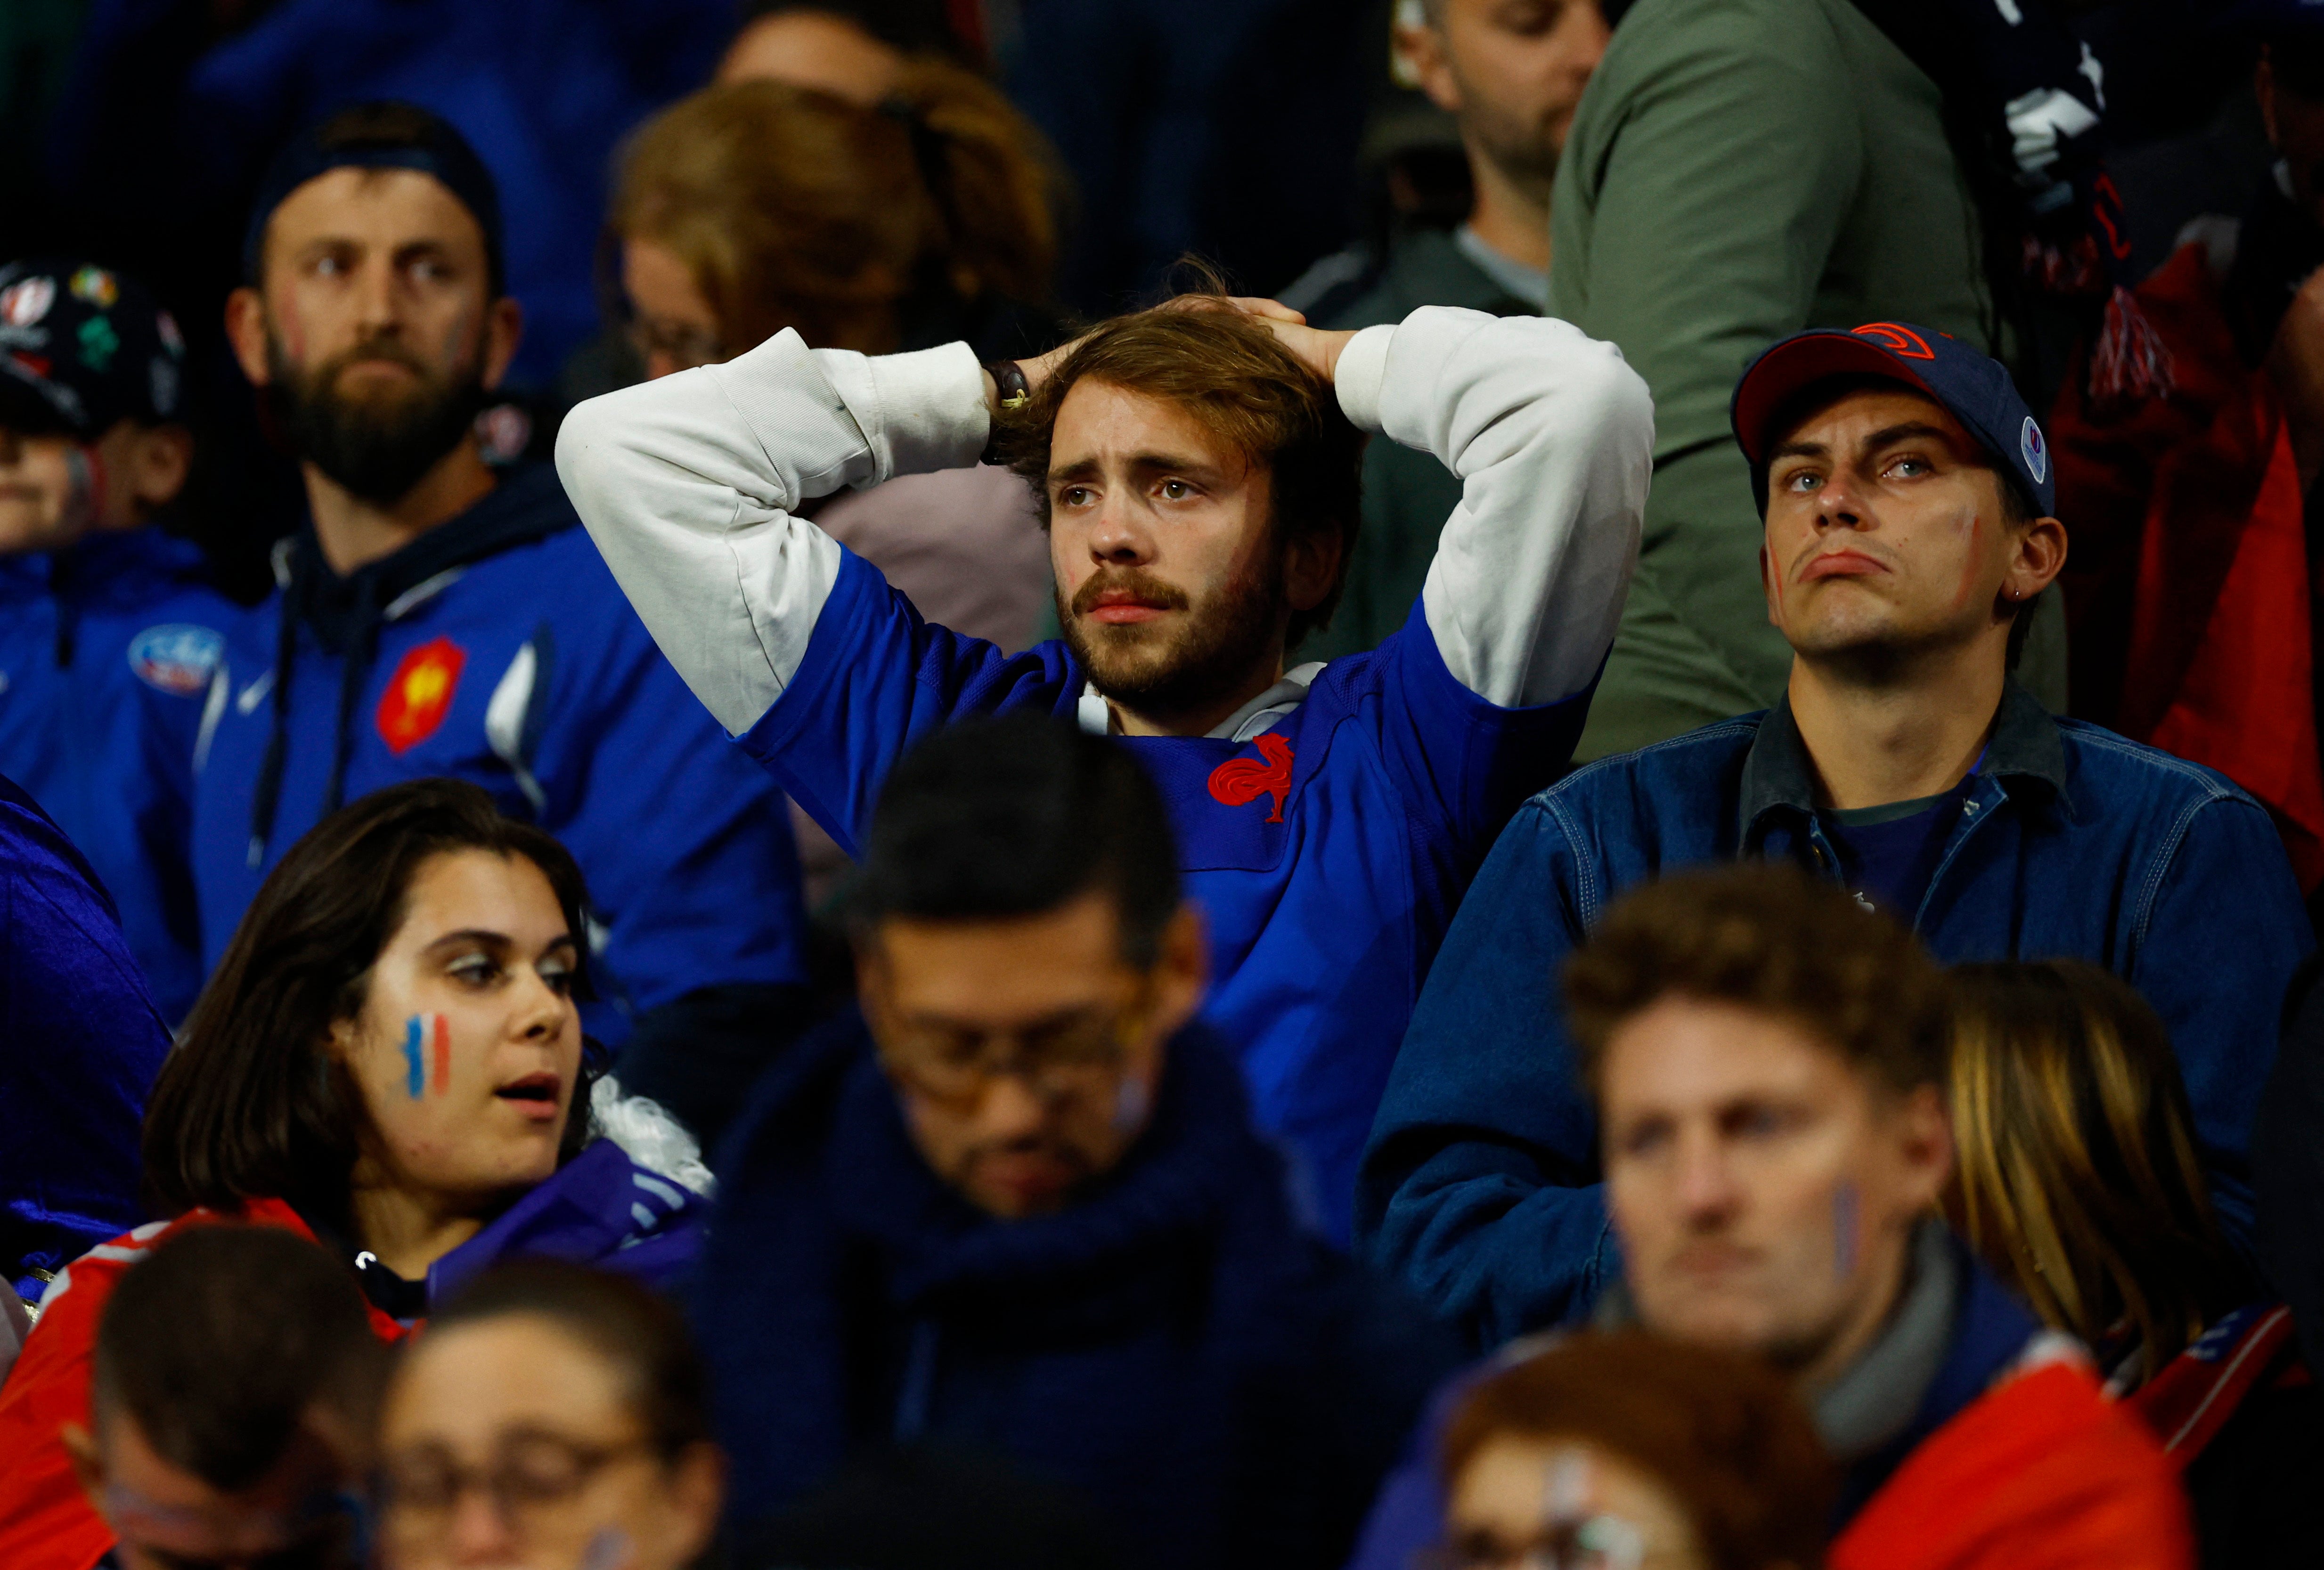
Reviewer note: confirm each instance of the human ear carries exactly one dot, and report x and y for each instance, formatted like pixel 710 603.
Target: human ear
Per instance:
pixel 2036 556
pixel 161 457
pixel 1420 49
pixel 1311 566
pixel 87 1462
pixel 1925 1146
pixel 503 330
pixel 697 1493
pixel 245 329
pixel 1184 970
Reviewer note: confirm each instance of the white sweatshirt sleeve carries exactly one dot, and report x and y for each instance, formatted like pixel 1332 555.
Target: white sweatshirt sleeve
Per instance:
pixel 689 485
pixel 1553 437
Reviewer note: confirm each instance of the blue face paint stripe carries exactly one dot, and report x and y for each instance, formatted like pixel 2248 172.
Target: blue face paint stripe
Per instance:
pixel 415 1077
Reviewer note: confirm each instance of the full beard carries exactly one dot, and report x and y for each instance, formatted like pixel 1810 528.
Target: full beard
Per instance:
pixel 377 448
pixel 1212 652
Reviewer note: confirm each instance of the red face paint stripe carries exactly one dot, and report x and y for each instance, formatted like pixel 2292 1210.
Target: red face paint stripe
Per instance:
pixel 443 1055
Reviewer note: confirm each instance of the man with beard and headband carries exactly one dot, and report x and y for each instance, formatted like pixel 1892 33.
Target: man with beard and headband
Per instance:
pixel 438 618
pixel 1908 529
pixel 1016 1204
pixel 1198 467
pixel 1510 73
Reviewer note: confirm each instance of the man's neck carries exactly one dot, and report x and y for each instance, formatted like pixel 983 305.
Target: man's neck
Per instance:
pixel 1507 215
pixel 355 532
pixel 1196 719
pixel 1899 734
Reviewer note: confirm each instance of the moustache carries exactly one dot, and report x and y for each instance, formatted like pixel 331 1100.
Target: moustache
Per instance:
pixel 1134 580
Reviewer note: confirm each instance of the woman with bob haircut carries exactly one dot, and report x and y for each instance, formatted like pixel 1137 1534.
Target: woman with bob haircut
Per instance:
pixel 389 1060
pixel 2077 1179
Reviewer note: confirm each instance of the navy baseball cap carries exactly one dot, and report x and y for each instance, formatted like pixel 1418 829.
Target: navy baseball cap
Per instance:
pixel 1973 387
pixel 83 347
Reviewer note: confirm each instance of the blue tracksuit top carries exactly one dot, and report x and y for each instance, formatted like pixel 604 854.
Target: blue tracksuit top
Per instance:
pixel 1481 1182
pixel 106 650
pixel 79 1044
pixel 504 654
pixel 1328 828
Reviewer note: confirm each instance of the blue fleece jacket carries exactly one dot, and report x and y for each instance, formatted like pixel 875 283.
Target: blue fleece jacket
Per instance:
pixel 497 649
pixel 1480 1184
pixel 1224 1386
pixel 106 650
pixel 79 1044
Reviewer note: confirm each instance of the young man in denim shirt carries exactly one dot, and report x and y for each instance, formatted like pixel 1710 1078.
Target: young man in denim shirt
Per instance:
pixel 1907 493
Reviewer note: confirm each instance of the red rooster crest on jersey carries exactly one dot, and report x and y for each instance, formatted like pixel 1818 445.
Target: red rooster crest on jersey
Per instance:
pixel 1240 779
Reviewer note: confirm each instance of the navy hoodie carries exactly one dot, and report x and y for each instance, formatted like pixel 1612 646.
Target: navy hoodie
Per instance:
pixel 497 649
pixel 1227 1388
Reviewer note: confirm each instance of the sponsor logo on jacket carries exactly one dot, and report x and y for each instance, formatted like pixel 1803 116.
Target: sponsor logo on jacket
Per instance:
pixel 177 657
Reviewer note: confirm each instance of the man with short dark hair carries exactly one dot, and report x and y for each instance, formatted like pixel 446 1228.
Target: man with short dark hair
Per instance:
pixel 1906 493
pixel 110 631
pixel 1197 468
pixel 1510 73
pixel 229 1418
pixel 438 617
pixel 1017 1203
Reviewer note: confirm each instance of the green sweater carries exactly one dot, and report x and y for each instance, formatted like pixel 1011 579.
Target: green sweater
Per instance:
pixel 1739 169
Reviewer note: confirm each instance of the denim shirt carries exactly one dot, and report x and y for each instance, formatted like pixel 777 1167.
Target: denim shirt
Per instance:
pixel 1479 1184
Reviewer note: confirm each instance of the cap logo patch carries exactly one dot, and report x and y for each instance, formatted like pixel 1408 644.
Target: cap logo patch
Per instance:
pixel 98 343
pixel 96 286
pixel 2034 450
pixel 1896 338
pixel 24 302
pixel 177 657
pixel 420 694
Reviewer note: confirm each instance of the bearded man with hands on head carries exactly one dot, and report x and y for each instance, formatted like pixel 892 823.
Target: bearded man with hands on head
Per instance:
pixel 1197 467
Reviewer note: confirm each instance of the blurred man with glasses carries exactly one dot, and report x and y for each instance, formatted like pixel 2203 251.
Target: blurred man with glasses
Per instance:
pixel 1018 1205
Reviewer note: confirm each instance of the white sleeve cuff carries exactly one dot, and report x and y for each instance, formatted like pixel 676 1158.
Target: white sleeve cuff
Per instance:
pixel 919 411
pixel 1360 374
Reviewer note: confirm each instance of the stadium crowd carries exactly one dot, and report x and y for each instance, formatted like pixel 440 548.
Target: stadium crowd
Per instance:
pixel 925 784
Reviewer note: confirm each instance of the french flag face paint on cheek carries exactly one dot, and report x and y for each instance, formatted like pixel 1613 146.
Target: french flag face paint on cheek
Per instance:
pixel 427 1042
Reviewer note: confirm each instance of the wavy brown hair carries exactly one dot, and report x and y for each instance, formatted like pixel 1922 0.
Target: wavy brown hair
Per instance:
pixel 2076 1176
pixel 795 208
pixel 252 1104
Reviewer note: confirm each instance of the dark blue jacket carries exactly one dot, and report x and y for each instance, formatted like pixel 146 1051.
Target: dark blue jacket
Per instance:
pixel 106 651
pixel 79 1044
pixel 1990 1332
pixel 1479 1186
pixel 497 649
pixel 1227 1388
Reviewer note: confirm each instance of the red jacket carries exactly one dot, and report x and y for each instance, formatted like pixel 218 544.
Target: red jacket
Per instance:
pixel 46 1523
pixel 2041 1473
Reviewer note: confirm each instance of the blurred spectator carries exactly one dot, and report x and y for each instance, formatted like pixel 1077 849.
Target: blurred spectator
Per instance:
pixel 552 1415
pixel 1511 76
pixel 2077 1180
pixel 224 1418
pixel 1709 202
pixel 1908 528
pixel 1200 467
pixel 1224 128
pixel 2191 587
pixel 109 632
pixel 1768 1060
pixel 811 46
pixel 1018 1201
pixel 436 619
pixel 1621 1449
pixel 389 1060
pixel 79 1044
pixel 167 116
pixel 751 207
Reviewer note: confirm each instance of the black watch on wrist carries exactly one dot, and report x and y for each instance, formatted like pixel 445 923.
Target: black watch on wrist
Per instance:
pixel 1009 377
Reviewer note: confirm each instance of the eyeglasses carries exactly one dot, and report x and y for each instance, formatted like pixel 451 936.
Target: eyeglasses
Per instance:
pixel 685 346
pixel 1075 1054
pixel 531 1476
pixel 1595 1543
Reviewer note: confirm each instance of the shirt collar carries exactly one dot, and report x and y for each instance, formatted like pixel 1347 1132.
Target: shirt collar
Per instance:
pixel 1777 772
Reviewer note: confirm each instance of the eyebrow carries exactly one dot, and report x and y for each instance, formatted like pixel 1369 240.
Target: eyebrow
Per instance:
pixel 1887 436
pixel 496 940
pixel 1143 465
